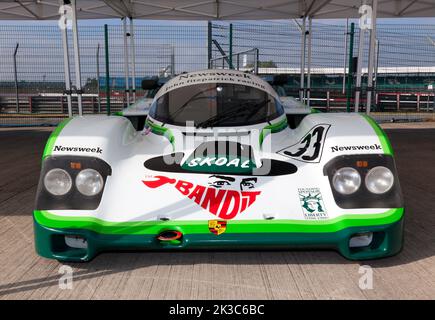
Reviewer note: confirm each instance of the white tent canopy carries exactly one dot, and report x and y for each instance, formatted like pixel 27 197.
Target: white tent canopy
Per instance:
pixel 212 9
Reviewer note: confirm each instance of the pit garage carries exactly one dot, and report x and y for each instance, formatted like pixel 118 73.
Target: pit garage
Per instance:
pixel 28 120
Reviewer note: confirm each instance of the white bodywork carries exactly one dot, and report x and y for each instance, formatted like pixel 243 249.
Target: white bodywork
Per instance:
pixel 127 198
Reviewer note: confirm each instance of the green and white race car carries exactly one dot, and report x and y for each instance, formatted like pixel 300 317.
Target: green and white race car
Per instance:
pixel 218 160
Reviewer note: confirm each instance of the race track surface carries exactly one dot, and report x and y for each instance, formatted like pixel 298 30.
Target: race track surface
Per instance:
pixel 216 275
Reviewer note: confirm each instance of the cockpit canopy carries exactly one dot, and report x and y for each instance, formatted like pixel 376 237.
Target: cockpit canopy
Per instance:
pixel 218 104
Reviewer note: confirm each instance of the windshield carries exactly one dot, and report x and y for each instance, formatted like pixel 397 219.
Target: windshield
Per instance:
pixel 220 104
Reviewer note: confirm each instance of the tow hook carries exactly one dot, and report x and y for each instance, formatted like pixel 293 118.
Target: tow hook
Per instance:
pixel 170 235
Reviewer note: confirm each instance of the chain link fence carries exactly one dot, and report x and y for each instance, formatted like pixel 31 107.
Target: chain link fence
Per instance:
pixel 405 77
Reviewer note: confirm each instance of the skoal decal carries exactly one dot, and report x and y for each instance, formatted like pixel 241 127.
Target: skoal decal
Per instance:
pixel 217 198
pixel 310 147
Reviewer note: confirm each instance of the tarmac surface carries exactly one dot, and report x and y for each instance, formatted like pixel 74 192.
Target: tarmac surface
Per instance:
pixel 217 275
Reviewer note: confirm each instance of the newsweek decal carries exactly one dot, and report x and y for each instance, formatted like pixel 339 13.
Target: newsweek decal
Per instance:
pixel 225 196
pixel 78 149
pixel 356 148
pixel 312 204
pixel 310 147
pixel 216 76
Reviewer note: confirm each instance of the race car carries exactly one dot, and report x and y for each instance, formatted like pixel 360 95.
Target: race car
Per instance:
pixel 218 161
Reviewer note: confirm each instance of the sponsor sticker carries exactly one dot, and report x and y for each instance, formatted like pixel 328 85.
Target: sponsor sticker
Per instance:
pixel 224 197
pixel 79 149
pixel 310 147
pixel 217 226
pixel 374 146
pixel 312 204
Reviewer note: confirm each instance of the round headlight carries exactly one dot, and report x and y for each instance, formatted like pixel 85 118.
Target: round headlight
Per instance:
pixel 58 182
pixel 379 180
pixel 346 180
pixel 89 182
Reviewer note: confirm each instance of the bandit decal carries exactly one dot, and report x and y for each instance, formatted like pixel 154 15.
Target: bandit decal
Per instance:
pixel 217 226
pixel 310 147
pixel 222 202
pixel 312 204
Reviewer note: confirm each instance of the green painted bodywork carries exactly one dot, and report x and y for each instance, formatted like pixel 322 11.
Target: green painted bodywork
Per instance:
pixel 255 234
pixel 273 128
pixel 383 138
pixel 161 131
pixel 52 139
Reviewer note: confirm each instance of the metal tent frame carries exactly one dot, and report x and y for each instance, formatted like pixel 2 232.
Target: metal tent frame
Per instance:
pixel 211 10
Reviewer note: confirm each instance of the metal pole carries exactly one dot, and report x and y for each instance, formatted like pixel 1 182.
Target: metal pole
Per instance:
pixel 77 57
pixel 106 54
pixel 230 49
pixel 257 57
pixel 309 62
pixel 303 40
pixel 126 69
pixel 133 59
pixel 359 68
pixel 345 56
pixel 66 66
pixel 98 78
pixel 350 71
pixel 371 56
pixel 172 61
pixel 375 83
pixel 17 101
pixel 209 42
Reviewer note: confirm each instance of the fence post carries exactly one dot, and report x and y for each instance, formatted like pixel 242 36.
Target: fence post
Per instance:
pixel 106 52
pixel 230 50
pixel 209 41
pixel 350 71
pixel 98 78
pixel 17 101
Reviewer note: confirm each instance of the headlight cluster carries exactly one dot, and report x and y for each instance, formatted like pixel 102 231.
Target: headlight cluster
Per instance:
pixel 378 180
pixel 88 182
pixel 364 181
pixel 72 183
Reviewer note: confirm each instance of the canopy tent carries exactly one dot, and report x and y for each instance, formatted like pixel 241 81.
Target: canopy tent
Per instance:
pixel 213 10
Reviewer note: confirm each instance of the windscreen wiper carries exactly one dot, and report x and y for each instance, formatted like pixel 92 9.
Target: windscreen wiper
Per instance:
pixel 231 112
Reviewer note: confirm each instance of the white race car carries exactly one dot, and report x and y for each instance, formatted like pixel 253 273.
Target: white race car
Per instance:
pixel 219 160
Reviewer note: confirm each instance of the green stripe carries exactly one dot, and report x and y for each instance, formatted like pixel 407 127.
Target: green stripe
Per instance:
pixel 273 128
pixel 385 142
pixel 161 131
pixel 52 139
pixel 201 226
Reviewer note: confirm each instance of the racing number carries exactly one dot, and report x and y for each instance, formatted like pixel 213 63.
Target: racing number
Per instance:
pixel 318 133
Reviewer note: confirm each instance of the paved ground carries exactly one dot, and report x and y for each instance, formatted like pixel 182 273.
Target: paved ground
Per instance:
pixel 216 275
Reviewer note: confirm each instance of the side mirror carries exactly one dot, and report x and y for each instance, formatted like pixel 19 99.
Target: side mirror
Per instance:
pixel 150 84
pixel 280 80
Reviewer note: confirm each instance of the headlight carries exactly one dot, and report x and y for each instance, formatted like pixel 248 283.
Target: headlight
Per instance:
pixel 58 182
pixel 379 180
pixel 89 182
pixel 346 180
